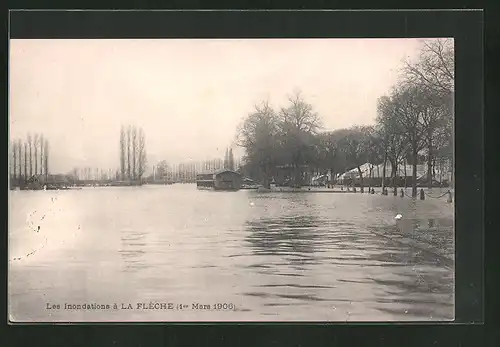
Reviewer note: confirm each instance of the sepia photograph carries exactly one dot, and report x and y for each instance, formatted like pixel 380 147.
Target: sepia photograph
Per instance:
pixel 231 180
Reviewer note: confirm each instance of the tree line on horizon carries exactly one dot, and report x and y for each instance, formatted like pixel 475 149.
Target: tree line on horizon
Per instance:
pixel 187 171
pixel 29 159
pixel 132 153
pixel 93 174
pixel 414 122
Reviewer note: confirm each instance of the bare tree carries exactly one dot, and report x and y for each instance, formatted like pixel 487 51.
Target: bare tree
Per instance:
pixel 134 153
pixel 122 152
pixel 46 158
pixel 331 154
pixel 298 124
pixel 376 151
pixel 142 154
pixel 19 156
pixel 74 175
pixel 435 122
pixel 129 145
pixel 230 160
pixel 42 144
pixel 30 143
pixel 410 107
pixel 435 68
pixel 300 115
pixel 26 161
pixel 163 169
pixel 36 143
pixel 355 146
pixel 13 165
pixel 392 134
pixel 258 135
pixel 226 159
pixel 433 73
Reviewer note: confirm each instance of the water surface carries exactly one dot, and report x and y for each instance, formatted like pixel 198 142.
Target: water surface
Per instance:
pixel 267 256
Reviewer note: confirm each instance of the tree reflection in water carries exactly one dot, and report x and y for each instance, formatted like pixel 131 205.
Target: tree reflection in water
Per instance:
pixel 132 250
pixel 295 238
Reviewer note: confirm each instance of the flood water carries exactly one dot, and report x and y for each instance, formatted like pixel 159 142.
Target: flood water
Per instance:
pixel 260 256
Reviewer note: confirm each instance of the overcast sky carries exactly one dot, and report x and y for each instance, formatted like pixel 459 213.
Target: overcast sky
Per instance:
pixel 187 95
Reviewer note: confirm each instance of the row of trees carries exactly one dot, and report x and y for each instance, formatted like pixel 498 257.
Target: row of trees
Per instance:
pixel 29 158
pixel 94 174
pixel 180 172
pixel 416 118
pixel 132 153
pixel 413 122
pixel 188 171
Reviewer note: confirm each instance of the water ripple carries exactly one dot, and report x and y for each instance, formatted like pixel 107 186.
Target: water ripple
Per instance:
pixel 275 256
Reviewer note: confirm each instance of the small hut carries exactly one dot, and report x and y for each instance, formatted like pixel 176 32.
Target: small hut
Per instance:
pixel 219 180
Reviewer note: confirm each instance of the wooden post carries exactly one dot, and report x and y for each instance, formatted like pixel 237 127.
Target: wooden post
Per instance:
pixel 422 194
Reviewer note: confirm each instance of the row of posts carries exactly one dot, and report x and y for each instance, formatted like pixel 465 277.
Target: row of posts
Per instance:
pixel 402 193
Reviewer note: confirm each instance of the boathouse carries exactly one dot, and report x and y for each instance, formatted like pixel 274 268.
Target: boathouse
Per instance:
pixel 219 180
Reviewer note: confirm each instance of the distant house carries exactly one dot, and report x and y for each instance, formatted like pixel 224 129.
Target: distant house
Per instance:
pixel 319 180
pixel 246 180
pixel 37 182
pixel 56 181
pixel 377 171
pixel 34 182
pixel 373 174
pixel 222 179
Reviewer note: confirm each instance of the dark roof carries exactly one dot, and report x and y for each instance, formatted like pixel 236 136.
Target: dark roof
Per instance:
pixel 216 172
pixel 290 166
